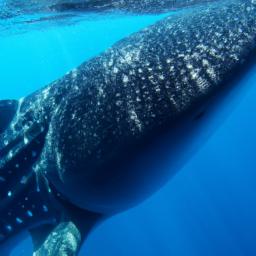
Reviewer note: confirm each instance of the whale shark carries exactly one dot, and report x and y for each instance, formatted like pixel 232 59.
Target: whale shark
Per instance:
pixel 80 149
pixel 11 7
pixel 131 6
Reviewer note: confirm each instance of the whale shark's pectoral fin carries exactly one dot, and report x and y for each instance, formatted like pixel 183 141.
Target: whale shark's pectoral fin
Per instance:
pixel 8 109
pixel 67 236
pixel 65 239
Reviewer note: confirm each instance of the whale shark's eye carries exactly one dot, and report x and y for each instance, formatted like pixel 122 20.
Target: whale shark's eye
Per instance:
pixel 199 115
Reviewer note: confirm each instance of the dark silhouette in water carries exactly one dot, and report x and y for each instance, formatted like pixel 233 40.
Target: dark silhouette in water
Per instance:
pixel 78 150
pixel 64 11
pixel 134 6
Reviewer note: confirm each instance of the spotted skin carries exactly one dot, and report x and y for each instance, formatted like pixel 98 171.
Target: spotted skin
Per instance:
pixel 75 139
pixel 122 99
pixel 19 188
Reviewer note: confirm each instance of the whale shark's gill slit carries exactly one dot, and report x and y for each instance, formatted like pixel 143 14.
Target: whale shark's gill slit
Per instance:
pixel 14 144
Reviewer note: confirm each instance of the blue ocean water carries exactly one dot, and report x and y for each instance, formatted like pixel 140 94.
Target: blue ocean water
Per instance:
pixel 208 208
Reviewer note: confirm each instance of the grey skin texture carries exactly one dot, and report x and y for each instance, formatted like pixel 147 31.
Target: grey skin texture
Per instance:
pixel 82 144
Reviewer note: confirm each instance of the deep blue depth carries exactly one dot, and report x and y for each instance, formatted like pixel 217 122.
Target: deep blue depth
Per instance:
pixel 208 208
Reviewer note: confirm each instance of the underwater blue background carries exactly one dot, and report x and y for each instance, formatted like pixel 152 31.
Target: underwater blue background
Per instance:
pixel 207 209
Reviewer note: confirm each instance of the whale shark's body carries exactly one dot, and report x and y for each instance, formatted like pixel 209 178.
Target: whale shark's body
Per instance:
pixel 13 8
pixel 78 150
pixel 132 6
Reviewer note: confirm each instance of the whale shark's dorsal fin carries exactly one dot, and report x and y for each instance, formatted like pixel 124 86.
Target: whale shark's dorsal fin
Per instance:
pixel 8 109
